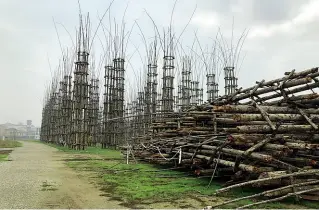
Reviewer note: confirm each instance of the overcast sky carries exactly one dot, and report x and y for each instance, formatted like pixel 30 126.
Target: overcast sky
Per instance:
pixel 283 36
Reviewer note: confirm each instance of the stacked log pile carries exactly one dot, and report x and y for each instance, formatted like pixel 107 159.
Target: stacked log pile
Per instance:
pixel 265 135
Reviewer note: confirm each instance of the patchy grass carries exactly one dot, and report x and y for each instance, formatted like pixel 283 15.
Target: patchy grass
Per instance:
pixel 139 184
pixel 35 141
pixel 10 144
pixel 48 187
pixel 143 183
pixel 104 153
pixel 4 157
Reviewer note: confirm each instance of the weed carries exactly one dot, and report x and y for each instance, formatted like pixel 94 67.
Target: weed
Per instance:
pixel 48 187
pixel 4 157
pixel 9 144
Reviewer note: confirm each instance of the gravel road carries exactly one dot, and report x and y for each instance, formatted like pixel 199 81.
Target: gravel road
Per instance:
pixel 38 178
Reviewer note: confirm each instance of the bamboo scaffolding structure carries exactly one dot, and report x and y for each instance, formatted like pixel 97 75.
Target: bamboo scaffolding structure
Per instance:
pixel 267 130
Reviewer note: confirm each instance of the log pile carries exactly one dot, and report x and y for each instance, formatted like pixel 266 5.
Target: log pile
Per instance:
pixel 266 135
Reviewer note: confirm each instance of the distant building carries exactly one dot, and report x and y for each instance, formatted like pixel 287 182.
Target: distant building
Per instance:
pixel 19 131
pixel 29 122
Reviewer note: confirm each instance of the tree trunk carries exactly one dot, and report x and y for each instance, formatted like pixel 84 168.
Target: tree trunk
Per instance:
pixel 273 117
pixel 288 84
pixel 281 128
pixel 288 92
pixel 302 173
pixel 269 109
pixel 249 168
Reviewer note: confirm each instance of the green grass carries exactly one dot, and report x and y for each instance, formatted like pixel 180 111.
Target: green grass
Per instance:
pixel 145 183
pixel 105 153
pixel 35 141
pixel 48 187
pixel 136 183
pixel 142 183
pixel 4 157
pixel 9 144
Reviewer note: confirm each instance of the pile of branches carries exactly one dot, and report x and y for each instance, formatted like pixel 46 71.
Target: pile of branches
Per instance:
pixel 263 136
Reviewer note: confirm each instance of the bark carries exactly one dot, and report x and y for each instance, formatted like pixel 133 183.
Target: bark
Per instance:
pixel 288 92
pixel 274 82
pixel 204 172
pixel 191 161
pixel 269 109
pixel 233 152
pixel 284 146
pixel 280 198
pixel 302 173
pixel 229 121
pixel 302 145
pixel 285 190
pixel 256 146
pixel 309 101
pixel 286 137
pixel 268 193
pixel 265 116
pixel 300 99
pixel 301 161
pixel 273 117
pixel 310 197
pixel 302 112
pixel 289 84
pixel 280 129
pixel 244 167
pixel 194 113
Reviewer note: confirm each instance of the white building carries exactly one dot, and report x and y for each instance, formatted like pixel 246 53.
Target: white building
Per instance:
pixel 19 131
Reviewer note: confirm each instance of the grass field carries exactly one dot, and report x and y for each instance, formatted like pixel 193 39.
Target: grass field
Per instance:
pixel 8 144
pixel 3 157
pixel 142 185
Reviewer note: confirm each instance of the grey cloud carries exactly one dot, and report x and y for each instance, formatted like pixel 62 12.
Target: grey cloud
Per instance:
pixel 274 10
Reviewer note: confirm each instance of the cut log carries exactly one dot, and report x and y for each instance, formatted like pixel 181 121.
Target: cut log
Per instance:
pixel 301 173
pixel 302 146
pixel 280 198
pixel 272 82
pixel 244 167
pixel 211 150
pixel 296 137
pixel 268 193
pixel 273 117
pixel 228 121
pixel 286 190
pixel 299 99
pixel 269 109
pixel 300 161
pixel 280 129
pixel 288 92
pixel 289 84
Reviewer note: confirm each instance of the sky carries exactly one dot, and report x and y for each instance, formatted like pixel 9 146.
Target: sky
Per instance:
pixel 283 35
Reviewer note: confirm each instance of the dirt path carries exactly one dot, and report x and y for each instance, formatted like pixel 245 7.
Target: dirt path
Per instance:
pixel 38 178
